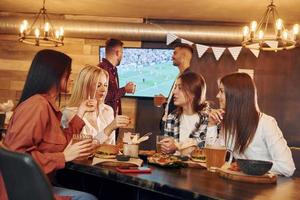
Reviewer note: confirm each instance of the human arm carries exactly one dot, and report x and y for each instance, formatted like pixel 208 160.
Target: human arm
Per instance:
pixel 278 149
pixel 118 122
pixel 114 93
pixel 171 125
pixel 28 132
pixel 72 120
pixel 168 145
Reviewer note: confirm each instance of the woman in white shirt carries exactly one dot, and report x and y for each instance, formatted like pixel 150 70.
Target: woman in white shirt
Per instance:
pixel 250 133
pixel 188 124
pixel 92 83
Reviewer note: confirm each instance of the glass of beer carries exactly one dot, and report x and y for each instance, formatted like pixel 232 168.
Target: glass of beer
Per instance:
pixel 159 138
pixel 159 100
pixel 80 137
pixel 215 157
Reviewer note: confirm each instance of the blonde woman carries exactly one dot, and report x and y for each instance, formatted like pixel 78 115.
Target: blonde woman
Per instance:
pixel 92 83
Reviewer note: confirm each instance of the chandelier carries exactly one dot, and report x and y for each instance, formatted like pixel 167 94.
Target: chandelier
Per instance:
pixel 41 32
pixel 270 34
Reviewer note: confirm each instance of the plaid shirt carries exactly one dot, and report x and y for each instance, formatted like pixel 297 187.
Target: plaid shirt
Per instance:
pixel 172 128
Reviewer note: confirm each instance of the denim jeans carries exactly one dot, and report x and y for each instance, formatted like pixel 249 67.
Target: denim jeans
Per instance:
pixel 76 195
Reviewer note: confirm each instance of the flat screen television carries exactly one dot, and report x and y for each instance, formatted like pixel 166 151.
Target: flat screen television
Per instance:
pixel 151 69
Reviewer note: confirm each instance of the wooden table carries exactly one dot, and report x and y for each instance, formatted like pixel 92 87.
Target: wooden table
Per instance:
pixel 189 183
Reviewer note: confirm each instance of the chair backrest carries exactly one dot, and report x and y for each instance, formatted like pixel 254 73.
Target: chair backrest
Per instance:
pixel 23 178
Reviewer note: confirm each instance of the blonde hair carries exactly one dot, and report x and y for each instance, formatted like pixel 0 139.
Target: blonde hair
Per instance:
pixel 86 79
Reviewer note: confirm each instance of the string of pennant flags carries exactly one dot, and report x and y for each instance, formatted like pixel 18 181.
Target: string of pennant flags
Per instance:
pixel 217 51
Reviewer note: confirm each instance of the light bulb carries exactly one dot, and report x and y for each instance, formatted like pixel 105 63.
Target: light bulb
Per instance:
pixel 260 35
pixel 245 31
pixel 253 26
pixel 37 33
pixel 285 34
pixel 279 24
pixel 296 29
pixel 47 27
pixel 61 31
pixel 25 24
pixel 57 34
pixel 22 28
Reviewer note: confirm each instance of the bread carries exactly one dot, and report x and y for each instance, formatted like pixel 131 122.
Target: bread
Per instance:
pixel 187 151
pixel 198 155
pixel 107 151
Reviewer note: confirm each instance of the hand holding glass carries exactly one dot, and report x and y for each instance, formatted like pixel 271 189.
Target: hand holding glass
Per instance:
pixel 159 100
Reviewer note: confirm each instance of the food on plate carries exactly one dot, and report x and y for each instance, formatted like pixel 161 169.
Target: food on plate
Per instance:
pixel 234 167
pixel 166 160
pixel 107 151
pixel 198 155
pixel 187 151
pixel 146 152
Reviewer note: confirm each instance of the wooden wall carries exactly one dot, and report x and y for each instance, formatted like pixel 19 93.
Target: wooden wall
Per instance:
pixel 16 57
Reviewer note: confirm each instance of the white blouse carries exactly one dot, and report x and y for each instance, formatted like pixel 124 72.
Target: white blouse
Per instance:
pixel 94 125
pixel 268 144
pixel 187 125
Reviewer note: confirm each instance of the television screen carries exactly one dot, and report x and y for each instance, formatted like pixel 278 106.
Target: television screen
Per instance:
pixel 152 70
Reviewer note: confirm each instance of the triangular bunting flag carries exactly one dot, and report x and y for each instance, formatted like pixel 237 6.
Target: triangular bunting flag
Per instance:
pixel 235 51
pixel 254 48
pixel 186 42
pixel 201 49
pixel 272 44
pixel 255 52
pixel 171 38
pixel 218 51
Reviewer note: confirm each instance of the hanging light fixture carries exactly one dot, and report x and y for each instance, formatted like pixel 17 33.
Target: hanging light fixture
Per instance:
pixel 270 34
pixel 41 32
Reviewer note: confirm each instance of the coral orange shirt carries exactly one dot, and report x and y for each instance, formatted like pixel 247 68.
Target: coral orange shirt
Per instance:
pixel 35 129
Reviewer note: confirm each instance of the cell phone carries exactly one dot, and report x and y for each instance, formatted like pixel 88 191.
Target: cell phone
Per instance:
pixel 134 170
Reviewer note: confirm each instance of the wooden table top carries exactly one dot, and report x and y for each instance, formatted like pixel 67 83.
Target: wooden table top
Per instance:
pixel 190 183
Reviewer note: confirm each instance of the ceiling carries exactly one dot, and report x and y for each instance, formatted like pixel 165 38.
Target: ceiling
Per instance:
pixel 200 10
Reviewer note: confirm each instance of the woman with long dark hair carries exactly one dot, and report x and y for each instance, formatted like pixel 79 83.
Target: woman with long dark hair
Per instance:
pixel 190 121
pixel 35 125
pixel 250 133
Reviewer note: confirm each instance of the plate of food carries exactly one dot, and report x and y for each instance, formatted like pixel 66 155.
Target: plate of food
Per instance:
pixel 146 152
pixel 197 159
pixel 107 155
pixel 166 160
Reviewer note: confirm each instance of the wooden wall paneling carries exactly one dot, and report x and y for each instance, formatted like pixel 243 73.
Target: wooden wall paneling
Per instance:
pixel 129 108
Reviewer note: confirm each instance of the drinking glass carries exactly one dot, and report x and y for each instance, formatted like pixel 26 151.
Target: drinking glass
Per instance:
pixel 80 137
pixel 215 157
pixel 159 138
pixel 158 100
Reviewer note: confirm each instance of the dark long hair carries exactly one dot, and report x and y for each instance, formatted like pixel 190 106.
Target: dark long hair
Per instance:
pixel 46 71
pixel 193 84
pixel 241 109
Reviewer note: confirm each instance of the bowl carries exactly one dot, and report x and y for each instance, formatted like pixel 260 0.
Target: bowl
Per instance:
pixel 254 167
pixel 122 158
